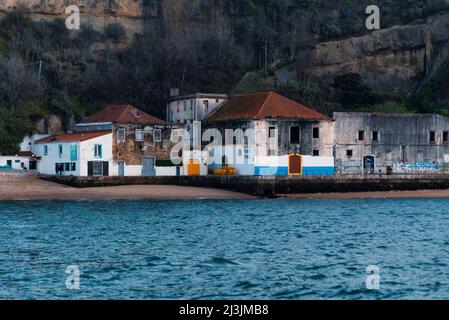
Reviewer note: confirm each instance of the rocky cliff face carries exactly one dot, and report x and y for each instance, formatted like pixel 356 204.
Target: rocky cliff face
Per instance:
pixel 395 59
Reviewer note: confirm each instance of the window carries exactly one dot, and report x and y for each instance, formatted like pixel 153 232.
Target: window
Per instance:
pixel 361 135
pixel 206 105
pixel 272 132
pixel 67 166
pixel 121 135
pixel 316 133
pixel 271 152
pixel 73 166
pixel 97 168
pixel 98 151
pixel 432 137
pixel 177 106
pixel 375 136
pixel 45 150
pixel 316 153
pixel 445 136
pixel 60 149
pixel 349 153
pixel 157 135
pixel 139 135
pixel 185 106
pixel 294 135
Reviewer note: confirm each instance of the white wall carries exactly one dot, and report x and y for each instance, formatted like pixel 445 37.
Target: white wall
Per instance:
pixel 166 171
pixel 15 165
pixel 87 153
pixel 47 163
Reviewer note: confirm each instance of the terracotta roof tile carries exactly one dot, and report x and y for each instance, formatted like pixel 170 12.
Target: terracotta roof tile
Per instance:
pixel 124 114
pixel 266 105
pixel 74 137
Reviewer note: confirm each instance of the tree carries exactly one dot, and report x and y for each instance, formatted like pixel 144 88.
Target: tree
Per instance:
pixel 351 92
pixel 115 32
pixel 18 85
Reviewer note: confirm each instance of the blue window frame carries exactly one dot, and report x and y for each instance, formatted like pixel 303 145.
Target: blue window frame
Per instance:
pixel 98 151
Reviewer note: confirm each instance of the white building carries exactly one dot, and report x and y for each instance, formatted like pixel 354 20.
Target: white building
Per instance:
pixel 186 109
pixel 25 159
pixel 78 154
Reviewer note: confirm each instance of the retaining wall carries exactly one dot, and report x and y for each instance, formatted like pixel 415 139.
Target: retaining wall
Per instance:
pixel 272 185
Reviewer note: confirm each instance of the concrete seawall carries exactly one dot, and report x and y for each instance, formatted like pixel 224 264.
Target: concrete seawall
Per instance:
pixel 17 176
pixel 271 186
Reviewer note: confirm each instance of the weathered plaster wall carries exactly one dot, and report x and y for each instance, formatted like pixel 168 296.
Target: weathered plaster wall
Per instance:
pixel 404 141
pixel 132 151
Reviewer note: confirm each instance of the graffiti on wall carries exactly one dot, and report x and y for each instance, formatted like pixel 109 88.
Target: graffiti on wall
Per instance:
pixel 421 167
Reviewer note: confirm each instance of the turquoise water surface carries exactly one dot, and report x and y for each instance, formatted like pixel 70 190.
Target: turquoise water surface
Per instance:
pixel 245 249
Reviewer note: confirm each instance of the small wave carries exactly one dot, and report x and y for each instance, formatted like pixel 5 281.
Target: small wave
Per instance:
pixel 222 260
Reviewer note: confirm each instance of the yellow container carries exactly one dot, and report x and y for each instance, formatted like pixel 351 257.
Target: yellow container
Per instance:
pixel 193 168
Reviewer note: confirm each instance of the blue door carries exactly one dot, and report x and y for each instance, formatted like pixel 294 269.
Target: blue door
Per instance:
pixel 148 166
pixel 121 168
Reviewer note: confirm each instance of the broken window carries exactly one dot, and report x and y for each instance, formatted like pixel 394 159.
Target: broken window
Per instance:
pixel 316 133
pixel 432 137
pixel 361 135
pixel 121 135
pixel 375 136
pixel 349 153
pixel 316 153
pixel 295 135
pixel 157 135
pixel 139 135
pixel 445 136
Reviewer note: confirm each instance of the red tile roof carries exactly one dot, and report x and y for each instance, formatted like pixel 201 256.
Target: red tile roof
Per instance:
pixel 266 105
pixel 124 114
pixel 74 137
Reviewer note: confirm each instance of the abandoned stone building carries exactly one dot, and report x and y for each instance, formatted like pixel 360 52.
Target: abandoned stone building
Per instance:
pixel 272 127
pixel 297 129
pixel 368 143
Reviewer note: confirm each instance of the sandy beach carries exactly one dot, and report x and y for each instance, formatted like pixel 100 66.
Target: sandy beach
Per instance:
pixel 34 189
pixel 44 190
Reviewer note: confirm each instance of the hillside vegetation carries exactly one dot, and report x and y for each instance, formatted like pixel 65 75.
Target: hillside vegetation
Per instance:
pixel 47 70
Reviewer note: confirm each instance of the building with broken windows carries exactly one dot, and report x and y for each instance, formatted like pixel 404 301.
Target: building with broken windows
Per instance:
pixel 373 143
pixel 268 134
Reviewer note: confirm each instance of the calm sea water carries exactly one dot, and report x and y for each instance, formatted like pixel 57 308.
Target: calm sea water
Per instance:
pixel 261 249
